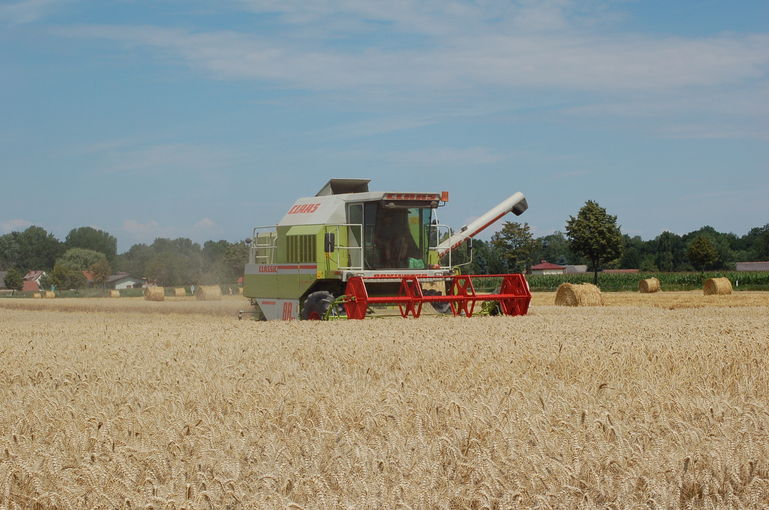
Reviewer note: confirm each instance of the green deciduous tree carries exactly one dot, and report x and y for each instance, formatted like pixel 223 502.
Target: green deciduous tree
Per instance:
pixel 64 277
pixel 702 253
pixel 553 248
pixel 235 258
pixel 80 259
pixel 101 271
pixel 90 238
pixel 9 251
pixel 595 234
pixel 487 259
pixel 37 249
pixel 14 279
pixel 515 244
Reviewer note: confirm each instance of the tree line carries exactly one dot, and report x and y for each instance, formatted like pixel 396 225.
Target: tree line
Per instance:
pixel 592 238
pixel 168 262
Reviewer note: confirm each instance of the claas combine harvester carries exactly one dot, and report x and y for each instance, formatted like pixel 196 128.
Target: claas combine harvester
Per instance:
pixel 348 251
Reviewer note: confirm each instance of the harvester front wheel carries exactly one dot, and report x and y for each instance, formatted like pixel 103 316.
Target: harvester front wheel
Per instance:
pixel 316 305
pixel 441 307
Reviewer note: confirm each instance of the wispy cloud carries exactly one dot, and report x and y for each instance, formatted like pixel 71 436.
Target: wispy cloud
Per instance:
pixel 446 157
pixel 471 48
pixel 715 131
pixel 144 231
pixel 27 11
pixel 185 158
pixel 14 225
pixel 204 224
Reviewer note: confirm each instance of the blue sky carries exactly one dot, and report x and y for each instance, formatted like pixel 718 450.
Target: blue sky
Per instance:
pixel 169 118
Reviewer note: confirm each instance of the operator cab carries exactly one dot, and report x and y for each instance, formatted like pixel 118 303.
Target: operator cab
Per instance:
pixel 394 234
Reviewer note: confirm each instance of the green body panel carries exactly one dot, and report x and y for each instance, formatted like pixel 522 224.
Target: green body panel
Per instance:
pixel 302 246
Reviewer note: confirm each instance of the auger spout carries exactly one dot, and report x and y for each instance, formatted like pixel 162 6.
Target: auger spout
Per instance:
pixel 515 203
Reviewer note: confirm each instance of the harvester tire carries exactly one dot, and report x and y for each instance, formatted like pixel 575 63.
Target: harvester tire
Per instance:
pixel 316 305
pixel 441 307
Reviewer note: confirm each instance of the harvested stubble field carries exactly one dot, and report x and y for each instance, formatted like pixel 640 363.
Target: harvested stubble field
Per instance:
pixel 612 407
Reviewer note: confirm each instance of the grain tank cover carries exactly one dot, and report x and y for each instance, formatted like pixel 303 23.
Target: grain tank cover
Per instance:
pixel 342 186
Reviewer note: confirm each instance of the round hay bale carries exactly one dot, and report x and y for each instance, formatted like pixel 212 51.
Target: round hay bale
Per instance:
pixel 180 292
pixel 649 285
pixel 208 292
pixel 154 294
pixel 114 293
pixel 717 286
pixel 584 294
pixel 49 294
pixel 37 295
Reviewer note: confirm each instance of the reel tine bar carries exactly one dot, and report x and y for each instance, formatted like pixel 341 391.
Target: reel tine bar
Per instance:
pixel 513 295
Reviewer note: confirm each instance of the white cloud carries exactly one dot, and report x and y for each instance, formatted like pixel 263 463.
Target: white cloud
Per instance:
pixel 143 231
pixel 451 52
pixel 14 225
pixel 507 60
pixel 204 224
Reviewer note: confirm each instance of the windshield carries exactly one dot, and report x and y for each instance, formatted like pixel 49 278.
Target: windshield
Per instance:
pixel 394 237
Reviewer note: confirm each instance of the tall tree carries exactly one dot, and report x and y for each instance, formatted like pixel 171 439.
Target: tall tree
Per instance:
pixel 721 242
pixel 553 248
pixel 80 259
pixel 632 253
pixel 94 239
pixel 516 245
pixel 9 251
pixel 14 279
pixel 235 258
pixel 702 253
pixel 757 243
pixel 486 259
pixel 668 248
pixel 65 277
pixel 595 234
pixel 38 249
pixel 101 271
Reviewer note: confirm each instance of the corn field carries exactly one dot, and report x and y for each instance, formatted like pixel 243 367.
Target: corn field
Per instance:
pixel 741 280
pixel 626 406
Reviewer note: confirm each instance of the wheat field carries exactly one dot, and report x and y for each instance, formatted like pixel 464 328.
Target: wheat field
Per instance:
pixel 609 407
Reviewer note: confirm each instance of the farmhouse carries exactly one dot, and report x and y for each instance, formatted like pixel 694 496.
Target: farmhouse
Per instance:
pixel 32 281
pixel 545 267
pixel 752 266
pixel 121 281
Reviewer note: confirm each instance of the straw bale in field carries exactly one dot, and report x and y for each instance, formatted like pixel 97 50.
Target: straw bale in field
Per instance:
pixel 114 293
pixel 649 285
pixel 49 294
pixel 208 292
pixel 718 286
pixel 584 294
pixel 154 294
pixel 37 295
pixel 180 292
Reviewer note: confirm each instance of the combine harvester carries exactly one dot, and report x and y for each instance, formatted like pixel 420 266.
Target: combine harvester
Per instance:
pixel 348 249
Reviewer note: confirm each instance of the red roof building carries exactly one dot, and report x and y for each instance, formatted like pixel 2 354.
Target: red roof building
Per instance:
pixel 545 267
pixel 32 281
